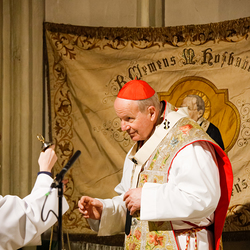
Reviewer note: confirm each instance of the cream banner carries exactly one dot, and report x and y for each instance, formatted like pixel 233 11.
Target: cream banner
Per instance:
pixel 88 66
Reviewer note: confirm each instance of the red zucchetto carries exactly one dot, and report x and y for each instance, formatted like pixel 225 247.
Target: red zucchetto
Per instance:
pixel 136 90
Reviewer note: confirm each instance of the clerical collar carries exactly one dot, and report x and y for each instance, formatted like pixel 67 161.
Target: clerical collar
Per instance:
pixel 200 120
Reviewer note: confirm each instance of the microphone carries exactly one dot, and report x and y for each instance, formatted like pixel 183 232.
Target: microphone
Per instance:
pixel 59 177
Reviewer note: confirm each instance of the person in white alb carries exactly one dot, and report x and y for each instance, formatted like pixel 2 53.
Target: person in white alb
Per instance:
pixel 176 181
pixel 20 219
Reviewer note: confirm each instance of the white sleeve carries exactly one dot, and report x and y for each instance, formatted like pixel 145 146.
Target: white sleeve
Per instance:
pixel 114 210
pixel 113 216
pixel 21 222
pixel 193 189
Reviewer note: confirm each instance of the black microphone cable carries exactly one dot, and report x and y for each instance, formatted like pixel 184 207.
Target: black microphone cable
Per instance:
pixel 57 180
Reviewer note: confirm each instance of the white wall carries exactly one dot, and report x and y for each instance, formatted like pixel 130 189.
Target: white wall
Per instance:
pixel 183 12
pixel 130 13
pixel 109 13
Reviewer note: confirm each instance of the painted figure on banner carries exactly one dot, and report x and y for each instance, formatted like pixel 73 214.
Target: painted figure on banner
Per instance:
pixel 176 183
pixel 196 109
pixel 21 221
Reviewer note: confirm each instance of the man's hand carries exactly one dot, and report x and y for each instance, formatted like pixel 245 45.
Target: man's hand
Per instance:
pixel 132 199
pixel 47 159
pixel 90 208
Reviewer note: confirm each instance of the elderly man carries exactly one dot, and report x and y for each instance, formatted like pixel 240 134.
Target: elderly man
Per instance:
pixel 196 109
pixel 20 219
pixel 176 181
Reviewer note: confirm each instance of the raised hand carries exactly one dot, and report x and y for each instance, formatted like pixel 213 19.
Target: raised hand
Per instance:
pixel 90 208
pixel 47 159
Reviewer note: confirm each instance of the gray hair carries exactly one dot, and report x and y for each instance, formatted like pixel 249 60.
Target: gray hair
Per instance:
pixel 199 102
pixel 152 101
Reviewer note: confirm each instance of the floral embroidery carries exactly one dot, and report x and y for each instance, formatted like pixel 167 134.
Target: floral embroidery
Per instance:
pixel 154 240
pixel 158 179
pixel 174 142
pixel 144 177
pixel 133 241
pixel 137 234
pixel 132 246
pixel 185 129
pixel 163 163
pixel 154 159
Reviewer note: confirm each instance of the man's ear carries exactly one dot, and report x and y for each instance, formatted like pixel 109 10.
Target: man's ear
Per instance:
pixel 200 113
pixel 152 112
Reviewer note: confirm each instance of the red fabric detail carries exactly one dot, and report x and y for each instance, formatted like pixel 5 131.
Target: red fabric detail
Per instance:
pixel 226 185
pixel 188 233
pixel 174 236
pixel 136 90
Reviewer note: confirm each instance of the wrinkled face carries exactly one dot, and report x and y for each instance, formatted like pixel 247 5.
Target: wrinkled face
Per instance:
pixel 138 125
pixel 190 103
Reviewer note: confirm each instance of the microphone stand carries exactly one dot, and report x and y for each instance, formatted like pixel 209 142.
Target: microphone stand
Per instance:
pixel 59 187
pixel 59 184
pixel 60 197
